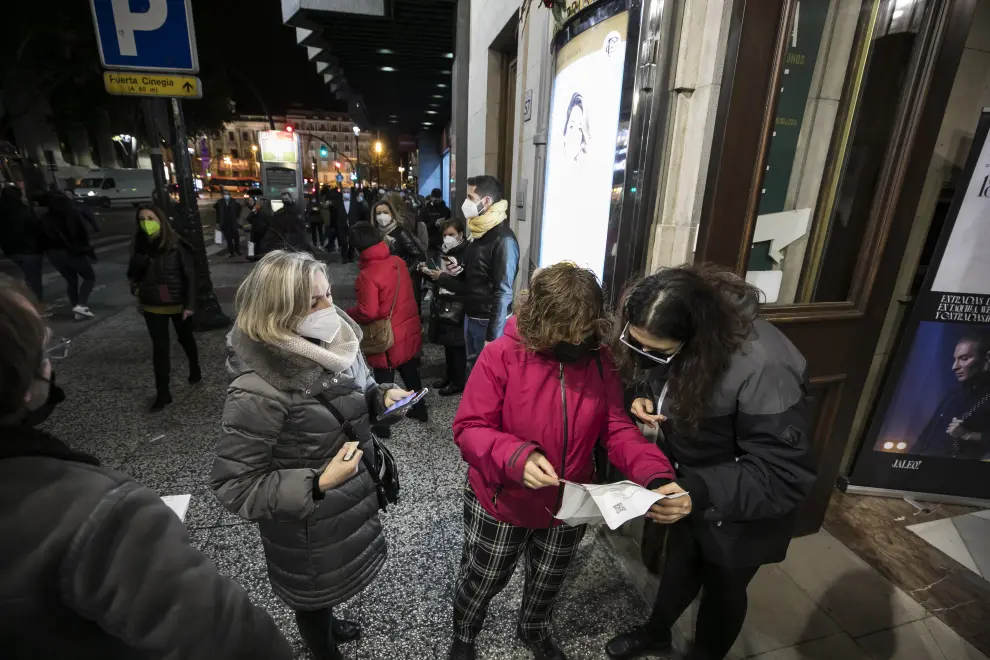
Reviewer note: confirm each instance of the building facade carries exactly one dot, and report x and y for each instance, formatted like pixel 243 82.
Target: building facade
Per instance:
pixel 813 147
pixel 234 153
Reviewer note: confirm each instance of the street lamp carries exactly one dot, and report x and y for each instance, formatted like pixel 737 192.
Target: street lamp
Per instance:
pixel 230 164
pixel 357 149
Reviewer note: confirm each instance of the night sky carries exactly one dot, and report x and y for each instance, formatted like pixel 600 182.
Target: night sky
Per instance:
pixel 258 46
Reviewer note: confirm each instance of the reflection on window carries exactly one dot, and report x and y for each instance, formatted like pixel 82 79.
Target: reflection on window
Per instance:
pixel 839 88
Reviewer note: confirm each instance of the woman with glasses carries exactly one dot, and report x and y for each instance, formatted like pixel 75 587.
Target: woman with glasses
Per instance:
pixel 727 390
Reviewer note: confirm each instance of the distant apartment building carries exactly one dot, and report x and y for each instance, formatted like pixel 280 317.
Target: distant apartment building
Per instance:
pixel 234 153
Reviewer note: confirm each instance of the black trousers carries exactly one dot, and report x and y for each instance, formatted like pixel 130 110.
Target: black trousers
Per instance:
pixel 316 231
pixel 346 251
pixel 233 242
pixel 160 343
pixel 316 629
pixel 456 358
pixel 72 268
pixel 723 594
pixel 410 377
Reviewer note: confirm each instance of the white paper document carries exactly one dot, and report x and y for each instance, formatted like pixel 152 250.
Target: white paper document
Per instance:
pixel 614 503
pixel 178 503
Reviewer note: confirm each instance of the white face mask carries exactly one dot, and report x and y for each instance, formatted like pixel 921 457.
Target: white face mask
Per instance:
pixel 347 197
pixel 384 219
pixel 450 242
pixel 323 325
pixel 469 209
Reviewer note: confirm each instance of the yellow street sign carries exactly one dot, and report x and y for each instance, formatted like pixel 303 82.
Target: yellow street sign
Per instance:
pixel 123 83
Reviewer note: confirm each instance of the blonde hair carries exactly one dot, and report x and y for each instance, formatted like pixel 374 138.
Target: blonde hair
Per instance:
pixel 275 297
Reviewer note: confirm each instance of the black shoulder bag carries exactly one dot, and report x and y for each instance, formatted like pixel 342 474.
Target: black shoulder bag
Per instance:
pixel 381 466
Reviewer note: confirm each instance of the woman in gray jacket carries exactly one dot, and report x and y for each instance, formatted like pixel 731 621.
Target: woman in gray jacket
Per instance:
pixel 283 459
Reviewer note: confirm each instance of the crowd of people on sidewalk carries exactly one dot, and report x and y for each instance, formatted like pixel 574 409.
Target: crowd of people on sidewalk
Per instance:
pixel 61 232
pixel 685 389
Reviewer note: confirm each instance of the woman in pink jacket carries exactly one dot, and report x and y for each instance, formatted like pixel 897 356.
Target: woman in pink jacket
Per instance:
pixel 537 403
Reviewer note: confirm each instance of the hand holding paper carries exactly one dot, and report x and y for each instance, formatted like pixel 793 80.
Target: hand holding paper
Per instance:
pixel 673 507
pixel 614 503
pixel 538 472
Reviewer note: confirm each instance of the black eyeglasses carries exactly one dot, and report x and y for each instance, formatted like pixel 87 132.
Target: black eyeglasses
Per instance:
pixel 659 358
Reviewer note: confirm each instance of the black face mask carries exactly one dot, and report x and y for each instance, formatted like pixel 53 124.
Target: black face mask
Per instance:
pixel 45 410
pixel 656 370
pixel 566 352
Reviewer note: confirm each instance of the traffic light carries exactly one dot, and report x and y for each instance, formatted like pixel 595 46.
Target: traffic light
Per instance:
pixel 323 151
pixel 336 164
pixel 289 128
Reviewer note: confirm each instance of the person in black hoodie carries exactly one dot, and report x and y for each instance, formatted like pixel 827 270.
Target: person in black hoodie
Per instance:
pixel 729 393
pixel 95 565
pixel 447 312
pixel 20 237
pixel 434 213
pixel 67 243
pixel 162 277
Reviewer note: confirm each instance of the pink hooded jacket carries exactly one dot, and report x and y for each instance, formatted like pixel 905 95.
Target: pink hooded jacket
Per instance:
pixel 517 402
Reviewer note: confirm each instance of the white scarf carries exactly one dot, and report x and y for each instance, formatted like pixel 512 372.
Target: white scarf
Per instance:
pixel 336 355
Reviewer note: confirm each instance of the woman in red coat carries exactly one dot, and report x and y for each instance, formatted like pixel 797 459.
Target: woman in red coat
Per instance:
pixel 383 282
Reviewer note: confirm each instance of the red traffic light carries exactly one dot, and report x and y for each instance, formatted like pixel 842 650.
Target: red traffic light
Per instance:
pixel 336 164
pixel 289 128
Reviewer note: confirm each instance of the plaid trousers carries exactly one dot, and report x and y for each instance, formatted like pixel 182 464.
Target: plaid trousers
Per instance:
pixel 491 550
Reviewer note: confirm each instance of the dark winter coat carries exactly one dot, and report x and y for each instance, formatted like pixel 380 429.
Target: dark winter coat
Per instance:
pixel 62 230
pixel 375 289
pixel 403 244
pixel 20 230
pixel 276 440
pixel 433 214
pixel 750 464
pixel 517 402
pixel 358 212
pixel 228 214
pixel 96 566
pixel 161 278
pixel 447 309
pixel 490 266
pixel 259 223
pixel 287 231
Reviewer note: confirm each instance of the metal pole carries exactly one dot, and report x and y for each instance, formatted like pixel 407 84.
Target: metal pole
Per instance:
pixel 208 314
pixel 153 108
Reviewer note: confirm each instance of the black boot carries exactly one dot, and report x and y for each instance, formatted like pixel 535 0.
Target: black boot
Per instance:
pixel 418 412
pixel 637 643
pixel 544 649
pixel 452 390
pixel 162 400
pixel 345 631
pixel 195 375
pixel 461 651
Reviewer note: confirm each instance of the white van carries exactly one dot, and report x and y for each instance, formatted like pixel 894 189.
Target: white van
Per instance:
pixel 116 186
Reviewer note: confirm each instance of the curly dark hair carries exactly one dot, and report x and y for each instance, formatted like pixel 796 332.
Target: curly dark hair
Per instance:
pixel 564 303
pixel 698 305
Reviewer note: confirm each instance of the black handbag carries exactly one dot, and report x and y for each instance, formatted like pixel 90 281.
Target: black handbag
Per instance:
pixel 381 466
pixel 449 310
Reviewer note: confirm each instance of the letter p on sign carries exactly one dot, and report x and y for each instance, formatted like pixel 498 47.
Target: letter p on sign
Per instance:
pixel 129 22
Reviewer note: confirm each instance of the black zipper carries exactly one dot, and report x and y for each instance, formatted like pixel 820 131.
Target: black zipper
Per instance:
pixel 563 456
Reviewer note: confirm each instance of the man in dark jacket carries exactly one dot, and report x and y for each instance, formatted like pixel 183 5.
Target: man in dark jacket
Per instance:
pixel 491 261
pixel 20 237
pixel 66 242
pixel 434 214
pixel 95 565
pixel 228 212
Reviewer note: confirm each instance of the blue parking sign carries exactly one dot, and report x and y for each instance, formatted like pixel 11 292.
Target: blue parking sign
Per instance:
pixel 149 35
pixel 340 177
